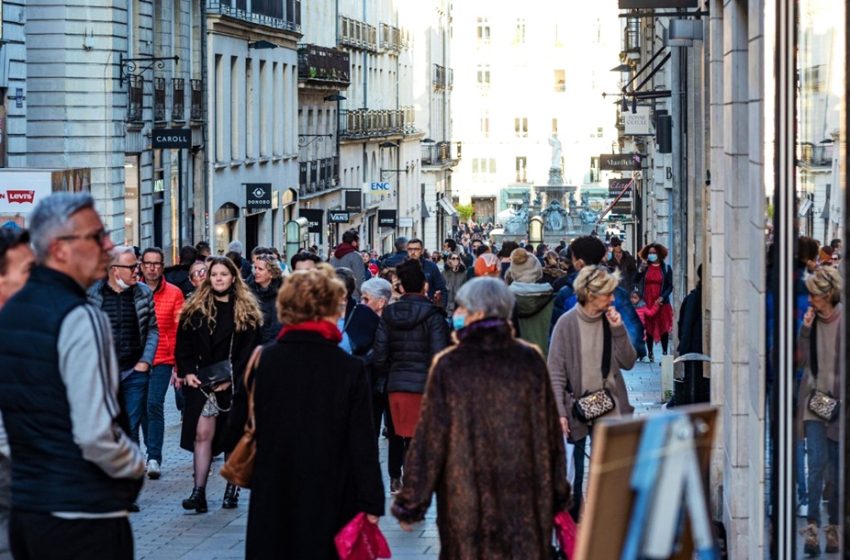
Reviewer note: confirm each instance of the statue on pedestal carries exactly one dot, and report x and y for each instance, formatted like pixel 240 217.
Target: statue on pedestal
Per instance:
pixel 556 176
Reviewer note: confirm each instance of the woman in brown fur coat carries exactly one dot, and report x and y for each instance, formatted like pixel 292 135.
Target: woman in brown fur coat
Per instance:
pixel 489 442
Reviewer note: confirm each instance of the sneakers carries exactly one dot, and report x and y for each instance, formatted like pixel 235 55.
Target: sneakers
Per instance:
pixel 802 510
pixel 395 486
pixel 831 532
pixel 153 469
pixel 812 545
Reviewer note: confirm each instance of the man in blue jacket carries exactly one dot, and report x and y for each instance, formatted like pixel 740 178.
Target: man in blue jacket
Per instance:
pixel 588 250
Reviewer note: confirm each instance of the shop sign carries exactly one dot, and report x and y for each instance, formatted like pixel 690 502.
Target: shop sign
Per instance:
pixel 616 186
pixel 171 138
pixel 20 191
pixel 258 196
pixel 338 217
pixel 387 218
pixel 405 222
pixel 639 123
pixel 353 201
pixel 314 219
pixel 377 188
pixel 619 162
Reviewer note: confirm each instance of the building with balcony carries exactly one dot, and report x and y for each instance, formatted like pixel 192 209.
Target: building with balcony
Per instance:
pixel 252 108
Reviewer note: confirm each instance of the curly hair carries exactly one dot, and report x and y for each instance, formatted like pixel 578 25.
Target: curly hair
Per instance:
pixel 273 264
pixel 246 310
pixel 309 295
pixel 659 248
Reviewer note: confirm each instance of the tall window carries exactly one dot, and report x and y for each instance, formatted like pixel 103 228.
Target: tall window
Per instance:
pixel 483 31
pixel 521 127
pixel 521 164
pixel 484 75
pixel 485 125
pixel 560 80
pixel 519 37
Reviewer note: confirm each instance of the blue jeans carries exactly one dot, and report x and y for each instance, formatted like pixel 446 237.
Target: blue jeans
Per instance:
pixel 134 390
pixel 823 455
pixel 153 418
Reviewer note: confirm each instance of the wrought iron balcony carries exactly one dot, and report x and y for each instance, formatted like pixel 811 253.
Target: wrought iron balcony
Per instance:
pixel 391 38
pixel 441 153
pixel 324 66
pixel 159 99
pixel 318 175
pixel 269 13
pixel 443 78
pixel 135 98
pixel 365 123
pixel 196 112
pixel 178 100
pixel 358 34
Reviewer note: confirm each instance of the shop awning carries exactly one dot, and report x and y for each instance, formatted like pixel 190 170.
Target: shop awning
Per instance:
pixel 447 207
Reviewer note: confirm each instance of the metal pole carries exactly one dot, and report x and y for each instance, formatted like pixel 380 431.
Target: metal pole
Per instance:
pixel 180 198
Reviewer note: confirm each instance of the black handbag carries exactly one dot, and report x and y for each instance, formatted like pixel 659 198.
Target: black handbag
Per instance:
pixel 217 373
pixel 595 404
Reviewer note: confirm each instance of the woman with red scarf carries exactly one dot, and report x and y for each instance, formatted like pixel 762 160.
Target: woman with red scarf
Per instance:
pixel 655 284
pixel 317 463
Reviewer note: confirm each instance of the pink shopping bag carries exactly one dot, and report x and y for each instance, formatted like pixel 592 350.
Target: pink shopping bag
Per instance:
pixel 361 540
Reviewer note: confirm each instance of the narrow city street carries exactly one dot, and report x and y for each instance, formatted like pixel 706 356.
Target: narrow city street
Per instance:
pixel 163 531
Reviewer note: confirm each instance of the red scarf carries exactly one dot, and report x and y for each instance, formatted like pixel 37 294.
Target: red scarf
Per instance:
pixel 328 330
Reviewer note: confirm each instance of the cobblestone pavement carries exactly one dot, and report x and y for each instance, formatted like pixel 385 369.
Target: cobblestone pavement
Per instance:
pixel 163 531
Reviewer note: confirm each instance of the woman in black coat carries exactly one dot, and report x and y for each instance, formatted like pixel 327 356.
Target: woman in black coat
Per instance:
pixel 317 459
pixel 220 321
pixel 265 284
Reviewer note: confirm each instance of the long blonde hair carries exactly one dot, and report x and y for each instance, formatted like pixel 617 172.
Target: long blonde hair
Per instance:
pixel 246 310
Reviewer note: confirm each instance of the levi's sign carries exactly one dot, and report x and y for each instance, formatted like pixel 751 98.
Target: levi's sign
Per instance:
pixel 172 138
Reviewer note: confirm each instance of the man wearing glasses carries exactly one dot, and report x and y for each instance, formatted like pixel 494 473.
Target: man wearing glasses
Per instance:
pixel 129 305
pixel 76 470
pixel 168 301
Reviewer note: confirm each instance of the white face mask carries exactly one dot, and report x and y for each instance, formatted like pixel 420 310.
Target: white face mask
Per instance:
pixel 122 284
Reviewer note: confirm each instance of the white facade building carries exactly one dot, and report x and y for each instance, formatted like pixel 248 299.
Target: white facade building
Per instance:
pixel 252 99
pixel 528 73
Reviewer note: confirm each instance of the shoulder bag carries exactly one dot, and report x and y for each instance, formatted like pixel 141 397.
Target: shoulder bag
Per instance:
pixel 595 404
pixel 821 404
pixel 215 374
pixel 239 467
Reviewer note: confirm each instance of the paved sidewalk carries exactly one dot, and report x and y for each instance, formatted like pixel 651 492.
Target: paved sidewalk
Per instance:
pixel 163 531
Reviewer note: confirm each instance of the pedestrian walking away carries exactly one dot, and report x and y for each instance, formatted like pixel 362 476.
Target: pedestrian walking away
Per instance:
pixel 489 442
pixel 534 299
pixel 589 349
pixel 76 471
pixel 168 302
pixel 347 255
pixel 219 327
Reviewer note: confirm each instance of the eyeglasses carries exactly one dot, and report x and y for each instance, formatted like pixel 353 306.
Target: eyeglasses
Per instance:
pixel 414 249
pixel 98 236
pixel 199 273
pixel 150 264
pixel 127 266
pixel 453 258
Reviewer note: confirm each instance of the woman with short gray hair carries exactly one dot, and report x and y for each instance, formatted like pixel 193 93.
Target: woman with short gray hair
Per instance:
pixel 489 396
pixel 377 293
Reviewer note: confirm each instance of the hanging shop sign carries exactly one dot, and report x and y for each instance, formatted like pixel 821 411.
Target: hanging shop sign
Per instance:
pixel 619 162
pixel 338 217
pixel 387 218
pixel 639 123
pixel 353 201
pixel 314 219
pixel 171 138
pixel 258 196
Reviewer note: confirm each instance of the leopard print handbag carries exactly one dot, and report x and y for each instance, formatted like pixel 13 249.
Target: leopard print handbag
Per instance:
pixel 591 406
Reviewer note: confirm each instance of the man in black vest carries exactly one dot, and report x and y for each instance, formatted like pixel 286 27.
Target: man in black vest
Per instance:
pixel 75 470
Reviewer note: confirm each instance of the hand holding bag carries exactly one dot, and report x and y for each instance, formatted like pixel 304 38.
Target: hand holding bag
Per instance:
pixel 821 404
pixel 239 467
pixel 595 404
pixel 361 539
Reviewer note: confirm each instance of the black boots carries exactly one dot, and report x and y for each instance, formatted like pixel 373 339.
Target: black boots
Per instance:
pixel 231 497
pixel 197 501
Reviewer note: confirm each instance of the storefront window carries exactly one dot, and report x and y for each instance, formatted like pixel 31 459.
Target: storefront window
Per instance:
pixel 131 200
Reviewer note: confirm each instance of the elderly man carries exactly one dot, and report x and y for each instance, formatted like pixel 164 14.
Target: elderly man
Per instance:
pixel 76 470
pixel 129 305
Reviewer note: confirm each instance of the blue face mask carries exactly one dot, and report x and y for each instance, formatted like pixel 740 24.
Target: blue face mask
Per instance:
pixel 652 257
pixel 610 255
pixel 458 321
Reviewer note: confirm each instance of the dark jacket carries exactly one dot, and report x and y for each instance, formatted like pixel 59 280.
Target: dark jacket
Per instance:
pixel 267 298
pixel 412 331
pixel 179 276
pixel 503 476
pixel 454 280
pixel 394 259
pixel 690 323
pixel 49 472
pixel 361 325
pixel 436 282
pixel 148 328
pixel 317 458
pixel 666 285
pixel 627 267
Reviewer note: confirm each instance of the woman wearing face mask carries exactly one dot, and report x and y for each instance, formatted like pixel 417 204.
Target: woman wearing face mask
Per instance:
pixel 220 322
pixel 589 348
pixel 654 280
pixel 455 275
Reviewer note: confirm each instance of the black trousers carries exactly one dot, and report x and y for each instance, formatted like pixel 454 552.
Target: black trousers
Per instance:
pixel 41 536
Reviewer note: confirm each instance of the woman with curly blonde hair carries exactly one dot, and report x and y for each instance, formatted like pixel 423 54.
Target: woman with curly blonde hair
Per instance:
pixel 317 463
pixel 219 325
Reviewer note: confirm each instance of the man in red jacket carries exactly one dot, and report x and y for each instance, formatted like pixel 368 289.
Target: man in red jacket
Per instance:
pixel 168 301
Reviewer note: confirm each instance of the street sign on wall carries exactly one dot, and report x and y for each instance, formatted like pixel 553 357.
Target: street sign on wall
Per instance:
pixel 387 218
pixel 619 162
pixel 171 138
pixel 258 196
pixel 314 219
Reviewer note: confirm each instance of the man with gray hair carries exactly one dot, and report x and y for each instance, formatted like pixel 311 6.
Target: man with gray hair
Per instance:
pixel 75 470
pixel 129 305
pixel 399 256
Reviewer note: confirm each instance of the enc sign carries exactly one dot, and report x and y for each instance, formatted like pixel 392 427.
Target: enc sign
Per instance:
pixel 376 188
pixel 387 218
pixel 338 217
pixel 619 162
pixel 258 196
pixel 172 138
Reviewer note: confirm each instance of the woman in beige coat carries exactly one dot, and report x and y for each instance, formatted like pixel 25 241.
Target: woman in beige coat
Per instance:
pixel 589 347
